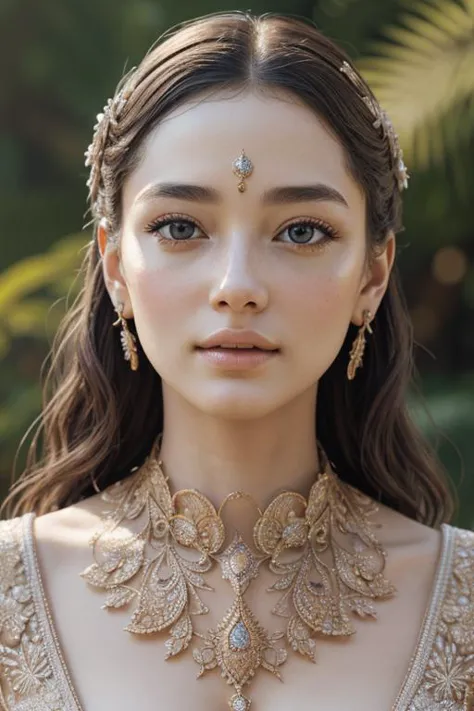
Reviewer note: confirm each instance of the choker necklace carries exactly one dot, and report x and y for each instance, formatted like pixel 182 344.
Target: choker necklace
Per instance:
pixel 320 587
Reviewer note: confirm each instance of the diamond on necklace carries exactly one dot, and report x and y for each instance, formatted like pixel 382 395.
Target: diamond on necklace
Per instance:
pixel 239 637
pixel 239 565
pixel 239 703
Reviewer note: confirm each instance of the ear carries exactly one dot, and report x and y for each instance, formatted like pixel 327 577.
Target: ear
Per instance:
pixel 375 280
pixel 114 278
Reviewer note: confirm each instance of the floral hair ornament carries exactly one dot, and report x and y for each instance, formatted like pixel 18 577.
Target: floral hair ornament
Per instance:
pixel 95 151
pixel 381 120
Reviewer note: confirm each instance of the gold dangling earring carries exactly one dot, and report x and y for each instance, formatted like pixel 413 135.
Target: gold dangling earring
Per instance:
pixel 358 347
pixel 128 340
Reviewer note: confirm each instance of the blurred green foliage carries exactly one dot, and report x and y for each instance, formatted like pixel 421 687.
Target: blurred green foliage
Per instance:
pixel 59 63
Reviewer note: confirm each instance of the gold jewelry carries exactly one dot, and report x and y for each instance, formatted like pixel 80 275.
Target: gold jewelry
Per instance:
pixel 358 347
pixel 242 167
pixel 322 583
pixel 128 340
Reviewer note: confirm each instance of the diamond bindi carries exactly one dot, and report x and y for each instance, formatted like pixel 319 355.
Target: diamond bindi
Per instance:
pixel 242 168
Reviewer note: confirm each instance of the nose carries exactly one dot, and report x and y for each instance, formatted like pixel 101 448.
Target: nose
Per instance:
pixel 238 287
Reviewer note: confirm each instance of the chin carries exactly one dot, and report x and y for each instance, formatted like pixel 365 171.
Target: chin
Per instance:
pixel 237 401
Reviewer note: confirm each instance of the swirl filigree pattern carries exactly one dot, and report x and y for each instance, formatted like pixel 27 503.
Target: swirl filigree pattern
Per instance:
pixel 322 584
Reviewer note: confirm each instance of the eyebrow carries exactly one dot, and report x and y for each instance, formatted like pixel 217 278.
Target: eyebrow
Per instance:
pixel 179 191
pixel 199 193
pixel 304 193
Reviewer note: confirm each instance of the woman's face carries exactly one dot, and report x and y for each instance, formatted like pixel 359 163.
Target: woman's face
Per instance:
pixel 286 258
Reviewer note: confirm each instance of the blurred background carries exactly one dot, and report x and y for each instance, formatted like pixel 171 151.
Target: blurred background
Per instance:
pixel 60 61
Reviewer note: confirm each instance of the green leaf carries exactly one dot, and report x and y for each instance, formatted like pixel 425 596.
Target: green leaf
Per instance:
pixel 422 76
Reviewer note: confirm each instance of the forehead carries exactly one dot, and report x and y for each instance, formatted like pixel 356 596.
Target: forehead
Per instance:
pixel 285 140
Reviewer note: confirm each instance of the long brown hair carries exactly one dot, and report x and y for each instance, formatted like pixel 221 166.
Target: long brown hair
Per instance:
pixel 100 419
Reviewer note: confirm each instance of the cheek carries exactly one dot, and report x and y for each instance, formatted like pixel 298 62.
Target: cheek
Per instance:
pixel 319 307
pixel 160 303
pixel 328 292
pixel 161 299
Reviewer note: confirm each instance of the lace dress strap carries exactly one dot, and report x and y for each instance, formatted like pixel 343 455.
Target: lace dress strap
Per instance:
pixel 447 679
pixel 32 678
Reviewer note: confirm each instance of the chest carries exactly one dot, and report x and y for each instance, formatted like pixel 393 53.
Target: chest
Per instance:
pixel 112 668
pixel 64 653
pixel 174 686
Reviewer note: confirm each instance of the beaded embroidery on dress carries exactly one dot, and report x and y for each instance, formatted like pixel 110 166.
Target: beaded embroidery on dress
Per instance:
pixel 27 679
pixel 34 677
pixel 448 678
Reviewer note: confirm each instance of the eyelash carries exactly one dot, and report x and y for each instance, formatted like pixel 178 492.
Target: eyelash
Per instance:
pixel 329 232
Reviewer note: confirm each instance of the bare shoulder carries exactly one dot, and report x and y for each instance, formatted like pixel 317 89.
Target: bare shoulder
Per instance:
pixel 64 535
pixel 404 538
pixel 403 532
pixel 423 552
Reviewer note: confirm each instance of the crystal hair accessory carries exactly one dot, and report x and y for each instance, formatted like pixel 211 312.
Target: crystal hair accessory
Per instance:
pixel 242 167
pixel 381 120
pixel 327 562
pixel 104 120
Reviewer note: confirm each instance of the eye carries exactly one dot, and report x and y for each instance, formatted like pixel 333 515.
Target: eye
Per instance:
pixel 174 228
pixel 303 233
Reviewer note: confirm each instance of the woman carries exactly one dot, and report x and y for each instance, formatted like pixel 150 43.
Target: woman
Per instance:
pixel 245 426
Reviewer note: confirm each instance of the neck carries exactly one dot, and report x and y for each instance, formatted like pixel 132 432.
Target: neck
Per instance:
pixel 260 457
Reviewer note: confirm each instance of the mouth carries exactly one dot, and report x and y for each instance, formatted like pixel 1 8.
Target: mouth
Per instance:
pixel 236 358
pixel 248 349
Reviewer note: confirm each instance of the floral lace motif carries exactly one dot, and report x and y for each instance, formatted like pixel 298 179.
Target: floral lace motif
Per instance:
pixel 448 679
pixel 28 682
pixel 26 677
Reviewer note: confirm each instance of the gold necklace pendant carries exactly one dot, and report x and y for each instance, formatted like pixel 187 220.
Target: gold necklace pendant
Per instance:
pixel 239 645
pixel 322 584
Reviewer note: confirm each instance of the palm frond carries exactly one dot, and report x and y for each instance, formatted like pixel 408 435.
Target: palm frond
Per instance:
pixel 38 271
pixel 423 76
pixel 23 308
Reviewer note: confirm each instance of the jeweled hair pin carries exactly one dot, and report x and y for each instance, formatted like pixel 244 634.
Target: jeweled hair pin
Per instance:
pixel 381 120
pixel 95 151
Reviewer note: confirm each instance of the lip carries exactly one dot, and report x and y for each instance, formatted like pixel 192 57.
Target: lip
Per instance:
pixel 238 337
pixel 236 358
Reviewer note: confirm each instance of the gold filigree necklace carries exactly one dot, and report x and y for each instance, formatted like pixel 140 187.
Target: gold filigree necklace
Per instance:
pixel 317 596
